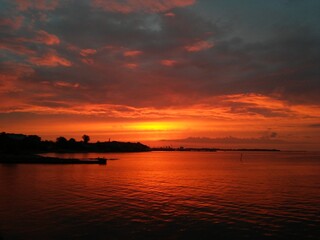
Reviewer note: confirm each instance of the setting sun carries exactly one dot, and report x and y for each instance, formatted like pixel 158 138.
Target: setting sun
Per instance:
pixel 155 126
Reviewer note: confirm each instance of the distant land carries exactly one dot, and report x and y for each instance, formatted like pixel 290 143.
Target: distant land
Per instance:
pixel 20 148
pixel 12 143
pixel 183 149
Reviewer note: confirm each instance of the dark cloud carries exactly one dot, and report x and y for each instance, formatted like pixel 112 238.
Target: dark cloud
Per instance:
pixel 185 56
pixel 316 125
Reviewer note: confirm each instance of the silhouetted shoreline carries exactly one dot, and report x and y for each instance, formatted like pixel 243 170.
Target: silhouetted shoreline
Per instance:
pixel 19 143
pixel 182 149
pixel 20 148
pixel 37 159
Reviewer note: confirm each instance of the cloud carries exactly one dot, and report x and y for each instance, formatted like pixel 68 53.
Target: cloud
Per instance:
pixel 131 65
pixel 129 6
pixel 199 46
pixel 26 46
pixel 273 135
pixel 132 53
pixel 87 61
pixel 168 62
pixel 46 38
pixel 87 52
pixel 24 5
pixel 50 59
pixel 170 14
pixel 10 75
pixel 14 22
pixel 15 47
pixel 211 72
pixel 180 61
pixel 316 125
pixel 66 84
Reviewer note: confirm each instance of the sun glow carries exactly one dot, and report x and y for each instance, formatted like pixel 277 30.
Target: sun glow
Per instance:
pixel 156 126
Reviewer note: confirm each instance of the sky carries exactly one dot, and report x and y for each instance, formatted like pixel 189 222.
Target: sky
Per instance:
pixel 207 73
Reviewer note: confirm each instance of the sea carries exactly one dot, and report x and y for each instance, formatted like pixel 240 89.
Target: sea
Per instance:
pixel 164 195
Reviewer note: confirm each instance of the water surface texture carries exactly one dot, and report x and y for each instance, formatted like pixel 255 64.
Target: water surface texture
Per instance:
pixel 165 195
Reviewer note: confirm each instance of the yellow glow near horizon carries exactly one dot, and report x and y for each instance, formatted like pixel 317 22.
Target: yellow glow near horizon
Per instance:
pixel 155 126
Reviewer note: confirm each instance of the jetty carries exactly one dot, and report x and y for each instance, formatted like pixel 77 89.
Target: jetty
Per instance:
pixel 37 159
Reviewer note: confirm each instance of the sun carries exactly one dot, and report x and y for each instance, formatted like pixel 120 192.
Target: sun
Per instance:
pixel 155 126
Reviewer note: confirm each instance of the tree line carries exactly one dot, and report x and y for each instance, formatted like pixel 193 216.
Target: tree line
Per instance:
pixel 20 143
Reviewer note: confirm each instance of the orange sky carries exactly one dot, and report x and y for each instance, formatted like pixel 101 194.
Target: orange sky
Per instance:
pixel 289 127
pixel 166 73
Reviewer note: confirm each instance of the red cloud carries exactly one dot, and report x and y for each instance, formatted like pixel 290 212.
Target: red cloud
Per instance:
pixel 170 14
pixel 199 46
pixel 11 72
pixel 46 38
pixel 86 52
pixel 15 22
pixel 131 65
pixel 88 61
pixel 168 62
pixel 16 44
pixel 66 84
pixel 51 59
pixel 132 53
pixel 127 6
pixel 24 5
pixel 15 47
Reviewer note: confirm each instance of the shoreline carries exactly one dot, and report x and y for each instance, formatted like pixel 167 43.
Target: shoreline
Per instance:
pixel 32 158
pixel 37 159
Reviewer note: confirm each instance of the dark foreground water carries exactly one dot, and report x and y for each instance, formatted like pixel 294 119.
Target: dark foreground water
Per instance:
pixel 165 195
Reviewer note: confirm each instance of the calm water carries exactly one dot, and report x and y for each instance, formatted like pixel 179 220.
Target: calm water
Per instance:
pixel 165 195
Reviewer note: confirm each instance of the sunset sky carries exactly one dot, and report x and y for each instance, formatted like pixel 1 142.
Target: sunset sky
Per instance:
pixel 211 73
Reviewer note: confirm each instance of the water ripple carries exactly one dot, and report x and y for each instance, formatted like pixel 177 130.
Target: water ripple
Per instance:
pixel 165 196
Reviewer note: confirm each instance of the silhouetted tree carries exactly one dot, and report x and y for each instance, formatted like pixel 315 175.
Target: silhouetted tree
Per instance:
pixel 61 140
pixel 20 143
pixel 31 143
pixel 72 144
pixel 86 138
